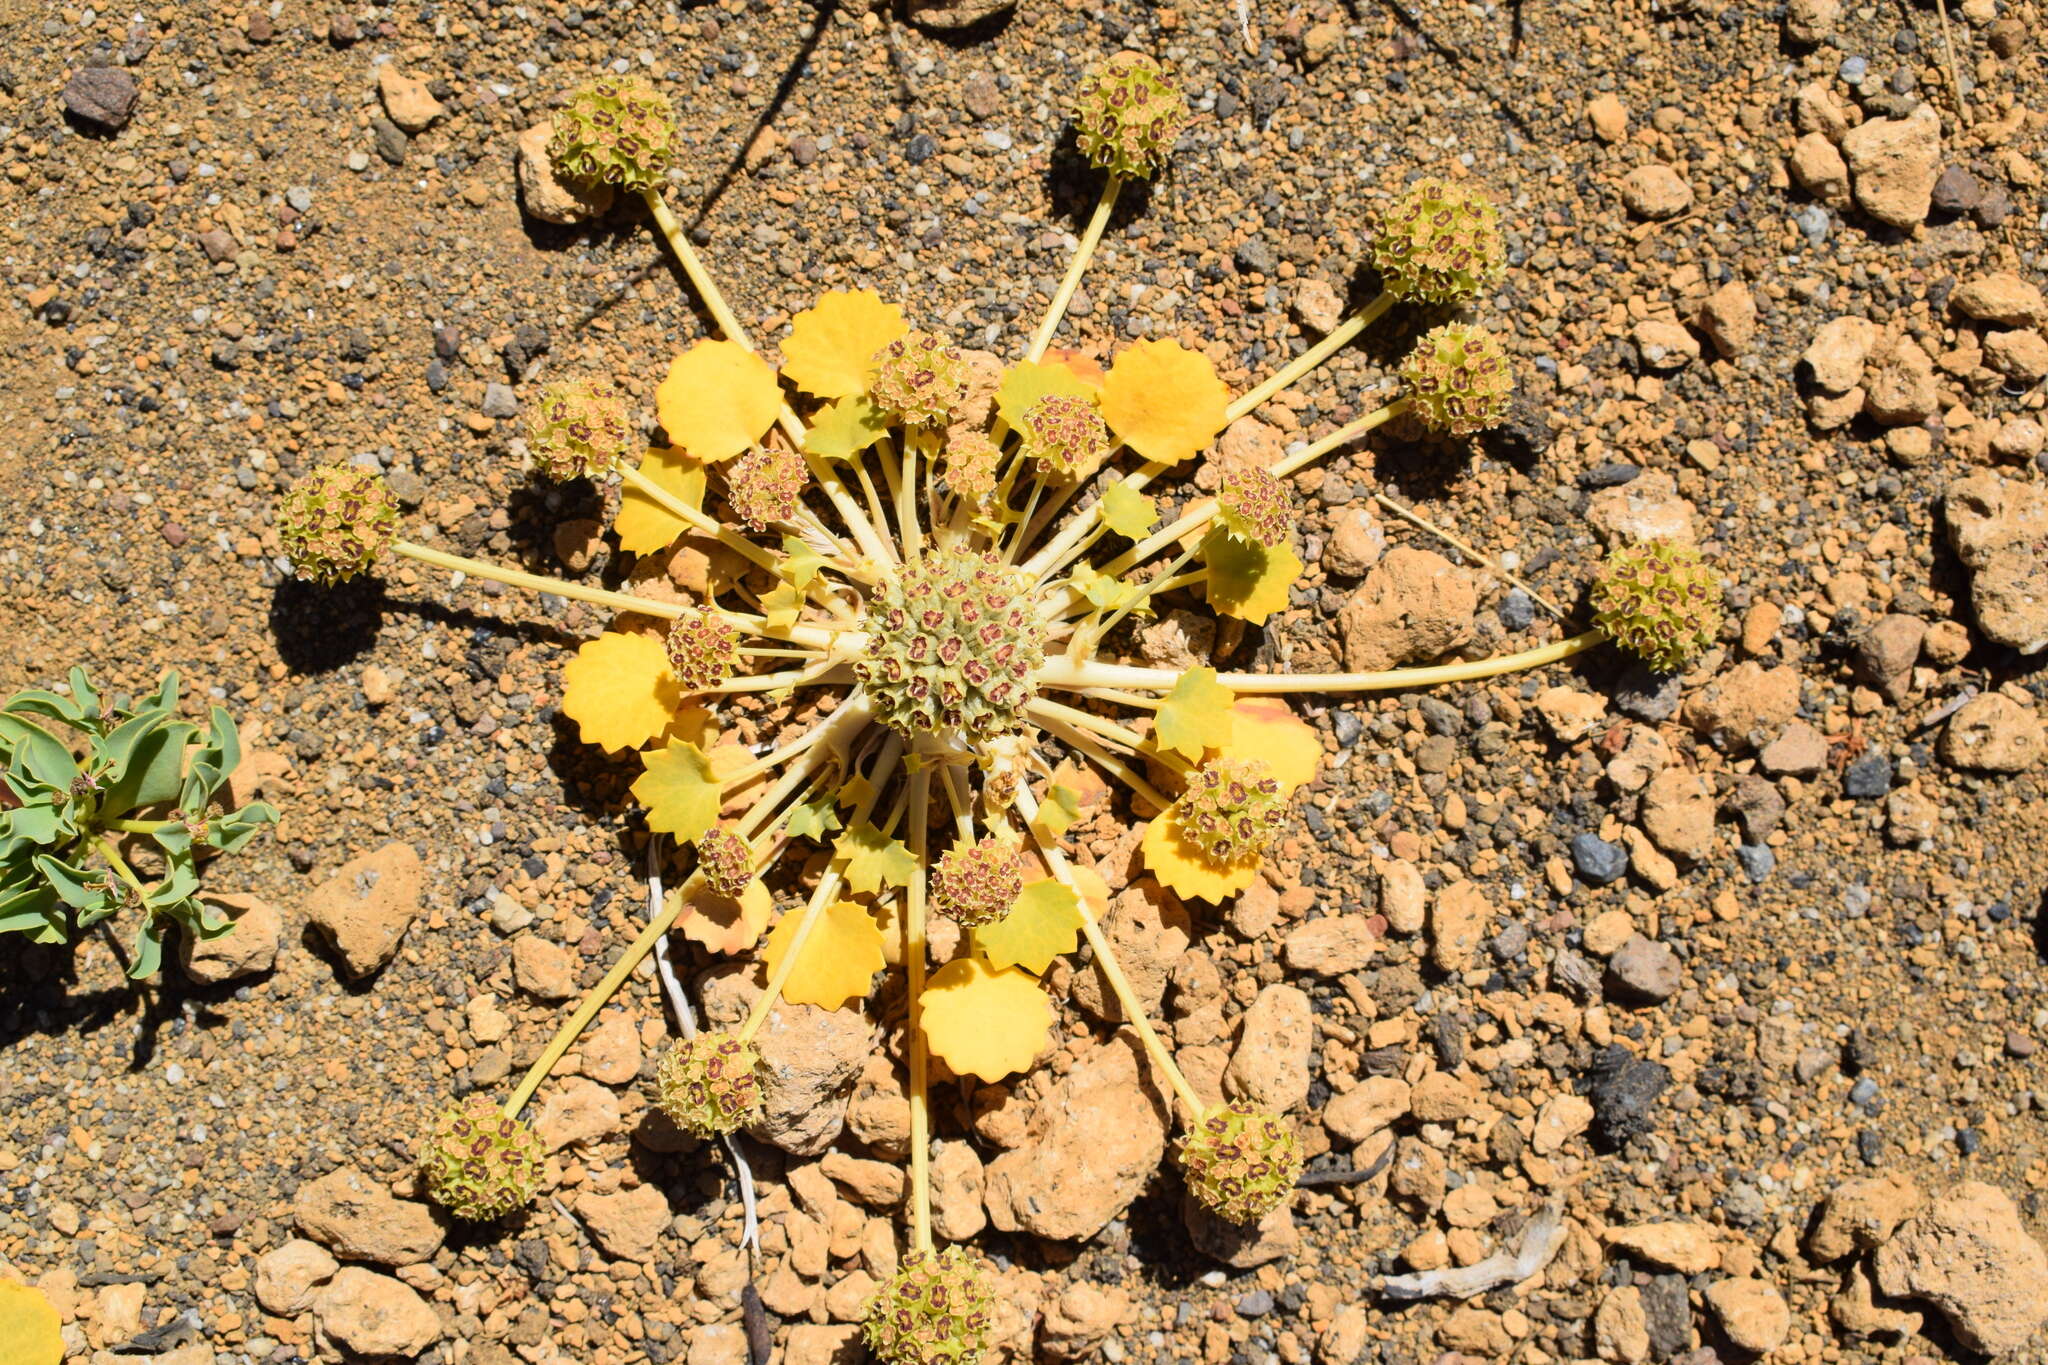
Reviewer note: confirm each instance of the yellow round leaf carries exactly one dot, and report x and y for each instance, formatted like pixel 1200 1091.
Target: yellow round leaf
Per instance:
pixel 831 347
pixel 720 923
pixel 1181 866
pixel 1027 381
pixel 838 959
pixel 619 690
pixel 1163 401
pixel 644 526
pixel 983 1020
pixel 718 400
pixel 1264 728
pixel 30 1330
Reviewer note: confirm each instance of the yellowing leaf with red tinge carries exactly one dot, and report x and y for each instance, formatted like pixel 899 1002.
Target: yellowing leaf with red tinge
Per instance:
pixel 720 923
pixel 837 960
pixel 1181 866
pixel 619 690
pixel 983 1020
pixel 718 400
pixel 1264 728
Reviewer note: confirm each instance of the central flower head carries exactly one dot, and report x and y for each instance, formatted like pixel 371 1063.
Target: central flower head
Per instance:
pixel 954 643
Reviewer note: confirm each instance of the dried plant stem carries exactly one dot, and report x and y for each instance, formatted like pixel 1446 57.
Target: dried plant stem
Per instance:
pixel 920 1059
pixel 1105 960
pixel 1060 673
pixel 1314 356
pixel 1091 238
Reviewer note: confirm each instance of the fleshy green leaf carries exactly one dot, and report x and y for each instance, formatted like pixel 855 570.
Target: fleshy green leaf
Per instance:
pixel 149 948
pixel 815 818
pixel 39 703
pixel 1195 716
pixel 37 752
pixel 1045 923
pixel 76 886
pixel 846 428
pixel 33 909
pixel 147 757
pixel 874 860
pixel 1128 512
pixel 679 789
pixel 229 832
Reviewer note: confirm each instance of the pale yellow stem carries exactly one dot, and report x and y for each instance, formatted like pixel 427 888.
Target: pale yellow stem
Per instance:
pixel 1091 238
pixel 920 1059
pixel 1060 673
pixel 1311 358
pixel 515 578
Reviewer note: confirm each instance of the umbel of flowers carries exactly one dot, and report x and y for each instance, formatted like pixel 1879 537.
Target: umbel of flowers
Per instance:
pixel 932 570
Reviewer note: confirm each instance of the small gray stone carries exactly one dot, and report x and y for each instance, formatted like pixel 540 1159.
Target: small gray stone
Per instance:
pixel 102 96
pixel 1598 860
pixel 389 140
pixel 499 401
pixel 1868 778
pixel 1644 970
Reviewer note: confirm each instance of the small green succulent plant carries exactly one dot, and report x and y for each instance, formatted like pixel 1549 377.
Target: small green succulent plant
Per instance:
pixel 121 826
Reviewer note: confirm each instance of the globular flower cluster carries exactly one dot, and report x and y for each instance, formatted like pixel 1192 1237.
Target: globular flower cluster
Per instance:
pixel 617 130
pixel 579 430
pixel 1231 810
pixel 336 521
pixel 479 1163
pixel 1458 379
pixel 1660 602
pixel 703 650
pixel 709 1084
pixel 1128 116
pixel 972 460
pixel 1064 436
pixel 1240 1163
pixel 936 1309
pixel 1439 242
pixel 920 378
pixel 977 884
pixel 764 485
pixel 1252 504
pixel 725 860
pixel 953 644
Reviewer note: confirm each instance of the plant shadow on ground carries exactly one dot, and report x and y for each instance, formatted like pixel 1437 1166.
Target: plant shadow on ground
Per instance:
pixel 36 998
pixel 320 629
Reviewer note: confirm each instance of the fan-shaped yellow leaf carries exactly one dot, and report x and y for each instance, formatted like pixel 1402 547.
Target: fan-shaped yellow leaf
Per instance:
pixel 679 786
pixel 619 690
pixel 1027 381
pixel 1181 866
pixel 831 347
pixel 844 429
pixel 643 526
pixel 1163 401
pixel 1042 925
pixel 719 398
pixel 31 1333
pixel 837 961
pixel 1263 728
pixel 720 923
pixel 1195 716
pixel 983 1020
pixel 1246 580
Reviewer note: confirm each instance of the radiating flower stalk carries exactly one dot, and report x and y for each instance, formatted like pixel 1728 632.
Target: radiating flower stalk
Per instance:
pixel 934 572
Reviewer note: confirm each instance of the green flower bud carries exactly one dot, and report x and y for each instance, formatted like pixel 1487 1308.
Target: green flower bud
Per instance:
pixel 1064 436
pixel 709 1084
pixel 765 484
pixel 1660 602
pixel 935 1310
pixel 480 1164
pixel 1439 242
pixel 1232 810
pixel 579 429
pixel 1240 1164
pixel 977 884
pixel 336 521
pixel 919 378
pixel 703 650
pixel 617 130
pixel 1458 380
pixel 1253 505
pixel 1128 116
pixel 954 643
pixel 725 860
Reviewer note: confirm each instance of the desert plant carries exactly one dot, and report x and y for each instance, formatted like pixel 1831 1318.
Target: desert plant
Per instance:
pixel 145 774
pixel 935 572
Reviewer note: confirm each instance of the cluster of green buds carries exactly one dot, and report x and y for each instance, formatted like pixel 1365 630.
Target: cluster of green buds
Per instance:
pixel 579 430
pixel 1240 1163
pixel 977 884
pixel 1252 505
pixel 765 484
pixel 1439 242
pixel 336 521
pixel 954 643
pixel 1128 116
pixel 1458 380
pixel 920 379
pixel 1659 601
pixel 709 1084
pixel 725 860
pixel 937 1309
pixel 703 650
pixel 480 1163
pixel 1065 437
pixel 1232 810
pixel 972 460
pixel 617 130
